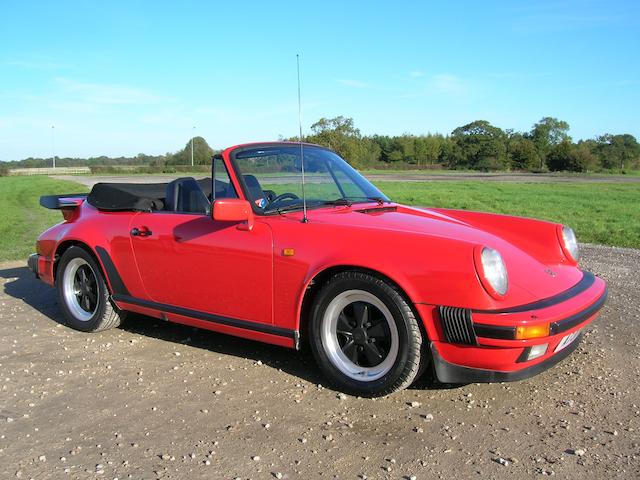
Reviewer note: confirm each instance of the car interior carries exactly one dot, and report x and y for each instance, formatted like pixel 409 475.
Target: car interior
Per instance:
pixel 185 195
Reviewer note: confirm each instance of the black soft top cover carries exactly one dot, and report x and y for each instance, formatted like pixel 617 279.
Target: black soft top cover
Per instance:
pixel 134 196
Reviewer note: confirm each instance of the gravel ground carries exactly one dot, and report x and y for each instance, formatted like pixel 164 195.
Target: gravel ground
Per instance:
pixel 156 400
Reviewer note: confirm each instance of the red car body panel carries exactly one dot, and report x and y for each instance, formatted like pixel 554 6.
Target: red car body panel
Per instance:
pixel 239 281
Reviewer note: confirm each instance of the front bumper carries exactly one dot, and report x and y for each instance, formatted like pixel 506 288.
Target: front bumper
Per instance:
pixel 451 373
pixel 481 346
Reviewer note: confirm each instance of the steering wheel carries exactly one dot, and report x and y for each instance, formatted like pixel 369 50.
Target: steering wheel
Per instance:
pixel 285 196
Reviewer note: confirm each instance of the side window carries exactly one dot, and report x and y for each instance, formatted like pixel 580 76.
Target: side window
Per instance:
pixel 223 188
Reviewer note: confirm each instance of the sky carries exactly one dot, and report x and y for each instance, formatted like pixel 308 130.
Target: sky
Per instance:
pixel 81 79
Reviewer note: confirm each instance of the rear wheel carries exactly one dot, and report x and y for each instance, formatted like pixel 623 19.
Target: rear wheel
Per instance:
pixel 82 293
pixel 364 335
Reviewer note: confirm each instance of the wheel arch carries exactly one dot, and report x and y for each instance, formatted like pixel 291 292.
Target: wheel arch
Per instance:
pixel 315 283
pixel 65 245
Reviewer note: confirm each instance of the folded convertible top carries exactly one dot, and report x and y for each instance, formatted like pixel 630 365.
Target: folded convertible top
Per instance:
pixel 134 196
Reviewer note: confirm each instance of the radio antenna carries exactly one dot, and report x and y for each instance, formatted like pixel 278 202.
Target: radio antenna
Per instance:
pixel 304 197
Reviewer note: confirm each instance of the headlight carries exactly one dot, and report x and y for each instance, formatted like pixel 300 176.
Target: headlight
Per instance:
pixel 570 244
pixel 493 272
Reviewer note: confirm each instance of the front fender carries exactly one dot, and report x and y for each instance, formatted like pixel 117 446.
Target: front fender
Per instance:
pixel 538 238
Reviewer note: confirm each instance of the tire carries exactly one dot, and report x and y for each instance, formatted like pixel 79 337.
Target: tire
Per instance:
pixel 373 360
pixel 83 295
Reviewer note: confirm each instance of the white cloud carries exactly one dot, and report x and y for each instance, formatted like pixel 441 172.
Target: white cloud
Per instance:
pixel 106 94
pixel 416 74
pixel 554 16
pixel 36 64
pixel 448 83
pixel 352 83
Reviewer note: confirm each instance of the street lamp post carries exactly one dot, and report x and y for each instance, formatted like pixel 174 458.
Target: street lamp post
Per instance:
pixel 193 133
pixel 53 146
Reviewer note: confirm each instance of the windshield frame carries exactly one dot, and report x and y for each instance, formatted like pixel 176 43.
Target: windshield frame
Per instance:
pixel 310 205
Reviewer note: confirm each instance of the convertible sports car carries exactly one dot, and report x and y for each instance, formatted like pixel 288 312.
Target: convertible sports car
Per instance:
pixel 380 291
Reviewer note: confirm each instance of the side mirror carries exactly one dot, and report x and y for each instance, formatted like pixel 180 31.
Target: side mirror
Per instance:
pixel 233 210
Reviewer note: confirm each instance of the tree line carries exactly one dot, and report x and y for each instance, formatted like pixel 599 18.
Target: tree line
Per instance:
pixel 168 163
pixel 481 146
pixel 478 145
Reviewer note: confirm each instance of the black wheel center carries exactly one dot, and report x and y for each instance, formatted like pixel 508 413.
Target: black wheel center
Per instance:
pixel 363 334
pixel 360 336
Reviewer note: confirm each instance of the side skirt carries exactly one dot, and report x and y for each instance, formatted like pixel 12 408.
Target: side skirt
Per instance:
pixel 292 335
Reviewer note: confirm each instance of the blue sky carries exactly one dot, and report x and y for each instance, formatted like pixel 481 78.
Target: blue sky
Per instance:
pixel 120 78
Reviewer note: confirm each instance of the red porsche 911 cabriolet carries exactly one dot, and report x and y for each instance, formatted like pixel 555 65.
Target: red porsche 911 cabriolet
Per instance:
pixel 380 291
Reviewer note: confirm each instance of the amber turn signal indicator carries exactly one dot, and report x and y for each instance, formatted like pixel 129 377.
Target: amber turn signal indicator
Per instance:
pixel 288 252
pixel 532 331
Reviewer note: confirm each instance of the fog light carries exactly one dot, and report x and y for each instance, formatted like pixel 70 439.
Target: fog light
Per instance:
pixel 537 351
pixel 532 331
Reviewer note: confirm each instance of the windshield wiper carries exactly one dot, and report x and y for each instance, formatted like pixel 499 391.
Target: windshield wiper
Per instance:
pixel 347 201
pixel 354 199
pixel 286 208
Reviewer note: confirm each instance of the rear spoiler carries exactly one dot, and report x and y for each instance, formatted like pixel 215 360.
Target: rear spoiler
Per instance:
pixel 58 202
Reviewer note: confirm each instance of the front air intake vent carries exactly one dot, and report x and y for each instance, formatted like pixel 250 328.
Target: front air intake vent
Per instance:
pixel 457 325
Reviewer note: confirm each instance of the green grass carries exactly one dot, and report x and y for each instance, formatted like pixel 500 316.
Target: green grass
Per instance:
pixel 22 218
pixel 604 213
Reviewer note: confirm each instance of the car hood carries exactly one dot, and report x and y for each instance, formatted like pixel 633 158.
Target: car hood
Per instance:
pixel 530 248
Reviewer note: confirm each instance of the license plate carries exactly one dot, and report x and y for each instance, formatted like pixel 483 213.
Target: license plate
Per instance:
pixel 567 340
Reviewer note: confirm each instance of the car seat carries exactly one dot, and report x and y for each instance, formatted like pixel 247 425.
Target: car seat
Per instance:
pixel 254 188
pixel 184 195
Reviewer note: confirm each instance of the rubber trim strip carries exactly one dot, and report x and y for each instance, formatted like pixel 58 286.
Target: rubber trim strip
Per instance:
pixel 509 333
pixel 576 319
pixel 494 331
pixel 117 285
pixel 209 317
pixel 587 280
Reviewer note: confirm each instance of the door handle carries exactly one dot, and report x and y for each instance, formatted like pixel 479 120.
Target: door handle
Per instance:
pixel 144 232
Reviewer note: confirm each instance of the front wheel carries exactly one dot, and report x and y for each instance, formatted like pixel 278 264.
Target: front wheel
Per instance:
pixel 82 293
pixel 364 335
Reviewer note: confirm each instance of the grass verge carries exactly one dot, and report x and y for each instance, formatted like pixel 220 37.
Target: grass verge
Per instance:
pixel 22 218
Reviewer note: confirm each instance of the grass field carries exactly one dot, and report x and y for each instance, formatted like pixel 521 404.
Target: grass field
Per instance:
pixel 604 213
pixel 21 216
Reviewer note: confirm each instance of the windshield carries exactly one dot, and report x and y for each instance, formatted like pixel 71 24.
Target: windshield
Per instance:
pixel 273 178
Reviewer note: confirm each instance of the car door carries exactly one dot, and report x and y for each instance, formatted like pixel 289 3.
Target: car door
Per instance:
pixel 194 262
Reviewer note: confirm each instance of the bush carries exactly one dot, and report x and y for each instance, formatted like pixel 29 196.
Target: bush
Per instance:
pixel 570 157
pixel 400 165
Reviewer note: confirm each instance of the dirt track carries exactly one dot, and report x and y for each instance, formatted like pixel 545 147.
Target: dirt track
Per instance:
pixel 90 181
pixel 156 400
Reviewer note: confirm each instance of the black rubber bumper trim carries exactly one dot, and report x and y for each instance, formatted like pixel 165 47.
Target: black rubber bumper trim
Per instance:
pixel 509 333
pixel 587 280
pixel 570 322
pixel 494 331
pixel 32 263
pixel 115 280
pixel 451 373
pixel 209 317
